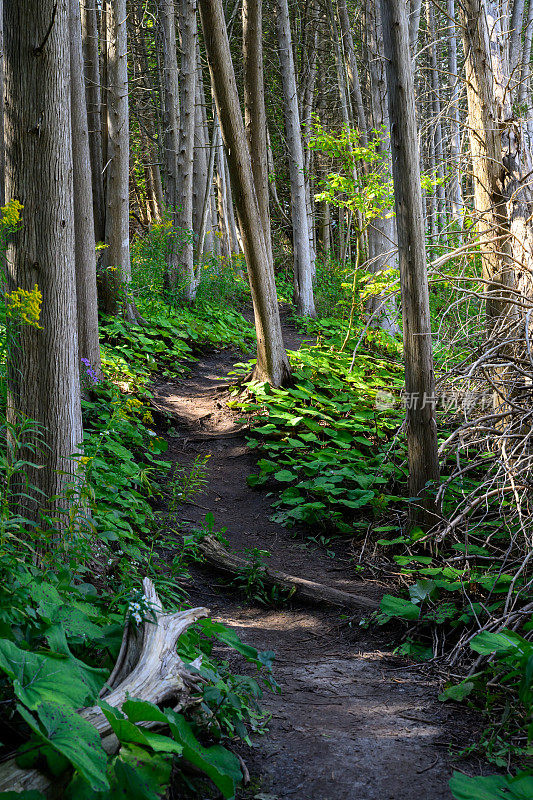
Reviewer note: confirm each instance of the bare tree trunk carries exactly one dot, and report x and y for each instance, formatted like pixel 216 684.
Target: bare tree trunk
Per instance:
pixel 2 126
pixel 436 122
pixel 235 239
pixel 202 184
pixel 89 20
pixel 222 209
pixel 414 25
pixel 419 377
pixel 455 136
pixel 524 95
pixel 43 376
pixel 303 268
pixel 184 213
pixel 117 276
pixel 502 162
pixel 307 104
pixel 254 109
pixel 85 253
pixel 382 237
pixel 272 364
pixel 206 210
pixel 352 71
pixel 170 104
pixel 515 39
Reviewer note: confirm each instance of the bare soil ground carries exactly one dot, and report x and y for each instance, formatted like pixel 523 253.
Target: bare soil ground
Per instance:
pixel 352 721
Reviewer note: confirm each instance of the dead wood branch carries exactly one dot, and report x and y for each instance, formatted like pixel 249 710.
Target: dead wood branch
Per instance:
pixel 217 555
pixel 148 668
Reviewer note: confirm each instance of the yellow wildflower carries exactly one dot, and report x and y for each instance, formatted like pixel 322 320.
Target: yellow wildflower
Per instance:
pixel 11 214
pixel 25 305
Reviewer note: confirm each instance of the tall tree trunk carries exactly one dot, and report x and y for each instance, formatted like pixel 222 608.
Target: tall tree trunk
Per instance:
pixel 43 376
pixel 382 237
pixel 307 105
pixel 117 275
pixel 436 122
pixel 91 56
pixel 170 103
pixel 2 126
pixel 414 25
pixel 524 94
pixel 515 39
pixel 502 162
pixel 206 209
pixel 254 109
pixel 418 355
pixel 85 253
pixel 202 184
pixel 455 136
pixel 184 212
pixel 352 71
pixel 303 268
pixel 272 364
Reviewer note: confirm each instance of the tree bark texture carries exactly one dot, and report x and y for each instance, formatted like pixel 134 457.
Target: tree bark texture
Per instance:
pixel 85 253
pixel 418 355
pixel 117 276
pixel 272 364
pixel 184 211
pixel 303 268
pixel 254 109
pixel 89 20
pixel 43 377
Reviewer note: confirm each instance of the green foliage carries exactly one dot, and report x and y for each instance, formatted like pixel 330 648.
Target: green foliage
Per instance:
pixel 252 580
pixel 492 787
pixel 319 447
pixel 368 191
pixel 221 282
pixel 59 635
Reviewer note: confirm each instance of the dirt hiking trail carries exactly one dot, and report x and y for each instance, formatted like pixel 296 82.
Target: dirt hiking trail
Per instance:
pixel 352 722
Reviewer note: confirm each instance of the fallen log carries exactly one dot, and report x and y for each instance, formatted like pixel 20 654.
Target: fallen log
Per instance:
pixel 148 668
pixel 311 591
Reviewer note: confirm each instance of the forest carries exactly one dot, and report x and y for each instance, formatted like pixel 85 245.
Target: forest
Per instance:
pixel 266 399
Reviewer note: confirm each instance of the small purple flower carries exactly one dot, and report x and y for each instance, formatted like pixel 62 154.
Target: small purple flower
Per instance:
pixel 89 370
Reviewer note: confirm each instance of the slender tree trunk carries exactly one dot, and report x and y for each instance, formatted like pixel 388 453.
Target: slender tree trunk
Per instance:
pixel 307 105
pixel 455 135
pixel 89 20
pixel 202 184
pixel 170 104
pixel 43 376
pixel 352 71
pixel 206 210
pixel 515 39
pixel 419 376
pixel 303 268
pixel 272 364
pixel 184 213
pixel 117 275
pixel 382 237
pixel 2 126
pixel 501 159
pixel 235 239
pixel 414 25
pixel 436 123
pixel 524 95
pixel 254 109
pixel 87 296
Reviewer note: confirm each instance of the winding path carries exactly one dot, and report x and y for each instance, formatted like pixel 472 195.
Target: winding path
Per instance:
pixel 352 721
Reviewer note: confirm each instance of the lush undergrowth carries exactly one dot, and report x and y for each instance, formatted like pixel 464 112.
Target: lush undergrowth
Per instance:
pixel 68 593
pixel 332 451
